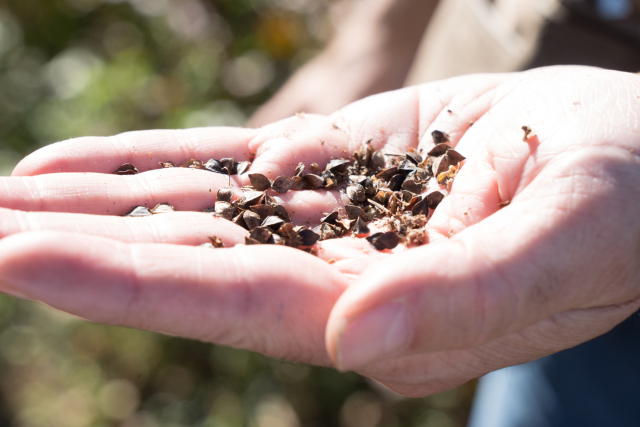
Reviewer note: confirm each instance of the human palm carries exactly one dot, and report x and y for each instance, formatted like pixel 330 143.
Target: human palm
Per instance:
pixel 495 286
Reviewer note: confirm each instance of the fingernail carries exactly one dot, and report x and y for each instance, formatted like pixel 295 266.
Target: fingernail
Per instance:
pixel 374 335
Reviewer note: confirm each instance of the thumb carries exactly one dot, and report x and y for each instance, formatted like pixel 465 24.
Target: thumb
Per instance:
pixel 511 270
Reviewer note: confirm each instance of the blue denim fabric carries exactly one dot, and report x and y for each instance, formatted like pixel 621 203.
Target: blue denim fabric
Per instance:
pixel 594 384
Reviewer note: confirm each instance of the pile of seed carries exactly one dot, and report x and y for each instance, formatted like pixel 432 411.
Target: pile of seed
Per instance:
pixel 379 187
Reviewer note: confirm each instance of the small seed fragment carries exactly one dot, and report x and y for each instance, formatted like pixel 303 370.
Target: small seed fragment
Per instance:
pixel 282 184
pixel 439 137
pixel 165 165
pixel 162 208
pixel 225 194
pixel 309 238
pixel 252 220
pixel 354 212
pixel 225 210
pixel 434 199
pixel 259 181
pixel 127 169
pixel 382 241
pixel 192 163
pixel 330 218
pixel 313 181
pixel 439 150
pixel 421 207
pixel 216 242
pixel 272 222
pixel 412 185
pixel 262 235
pixel 360 227
pixel 281 212
pixel 263 210
pixel 139 211
pixel 454 157
pixel 242 167
pixel 355 192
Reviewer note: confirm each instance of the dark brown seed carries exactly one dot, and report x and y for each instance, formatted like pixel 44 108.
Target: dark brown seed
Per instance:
pixel 420 174
pixel 313 181
pixel 315 168
pixel 192 163
pixel 421 207
pixel 250 198
pixel 363 155
pixel 439 137
pixel 331 218
pixel 354 212
pixel 263 210
pixel 328 232
pixel 414 157
pixel 407 196
pixel 382 197
pixel 355 192
pixel 298 183
pixel 162 208
pixel 330 182
pixel 377 161
pixel 434 199
pixel 229 164
pixel 167 165
pixel 262 235
pixel 259 181
pixel 412 185
pixel 337 165
pixel 272 222
pixel 250 241
pixel 251 219
pixel 360 227
pixel 242 167
pixel 216 242
pixel 282 184
pixel 395 183
pixel 239 220
pixel 299 169
pixel 281 212
pixel 139 211
pixel 387 173
pixel 309 238
pixel 382 241
pixel 268 200
pixel 371 213
pixel 439 150
pixel 440 164
pixel 127 169
pixel 392 205
pixel 454 157
pixel 212 166
pixel 225 210
pixel 415 199
pixel 358 179
pixel 225 194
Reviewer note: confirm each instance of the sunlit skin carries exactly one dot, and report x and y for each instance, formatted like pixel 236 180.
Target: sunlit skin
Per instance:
pixel 496 286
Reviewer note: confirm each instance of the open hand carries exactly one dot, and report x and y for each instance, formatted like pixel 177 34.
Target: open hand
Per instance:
pixel 496 286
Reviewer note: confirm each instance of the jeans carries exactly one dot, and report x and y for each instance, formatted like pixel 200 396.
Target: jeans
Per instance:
pixel 594 384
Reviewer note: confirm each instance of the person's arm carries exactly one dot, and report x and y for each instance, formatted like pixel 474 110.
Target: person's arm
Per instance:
pixel 371 52
pixel 534 249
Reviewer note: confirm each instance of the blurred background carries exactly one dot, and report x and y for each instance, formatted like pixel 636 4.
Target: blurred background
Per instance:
pixel 71 68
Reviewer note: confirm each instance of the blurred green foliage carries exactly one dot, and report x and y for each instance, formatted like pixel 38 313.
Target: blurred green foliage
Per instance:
pixel 72 68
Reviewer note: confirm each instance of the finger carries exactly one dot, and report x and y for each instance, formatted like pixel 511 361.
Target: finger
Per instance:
pixel 144 149
pixel 429 373
pixel 185 189
pixel 501 275
pixel 275 301
pixel 184 228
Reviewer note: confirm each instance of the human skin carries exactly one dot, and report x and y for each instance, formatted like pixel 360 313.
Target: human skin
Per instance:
pixel 496 286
